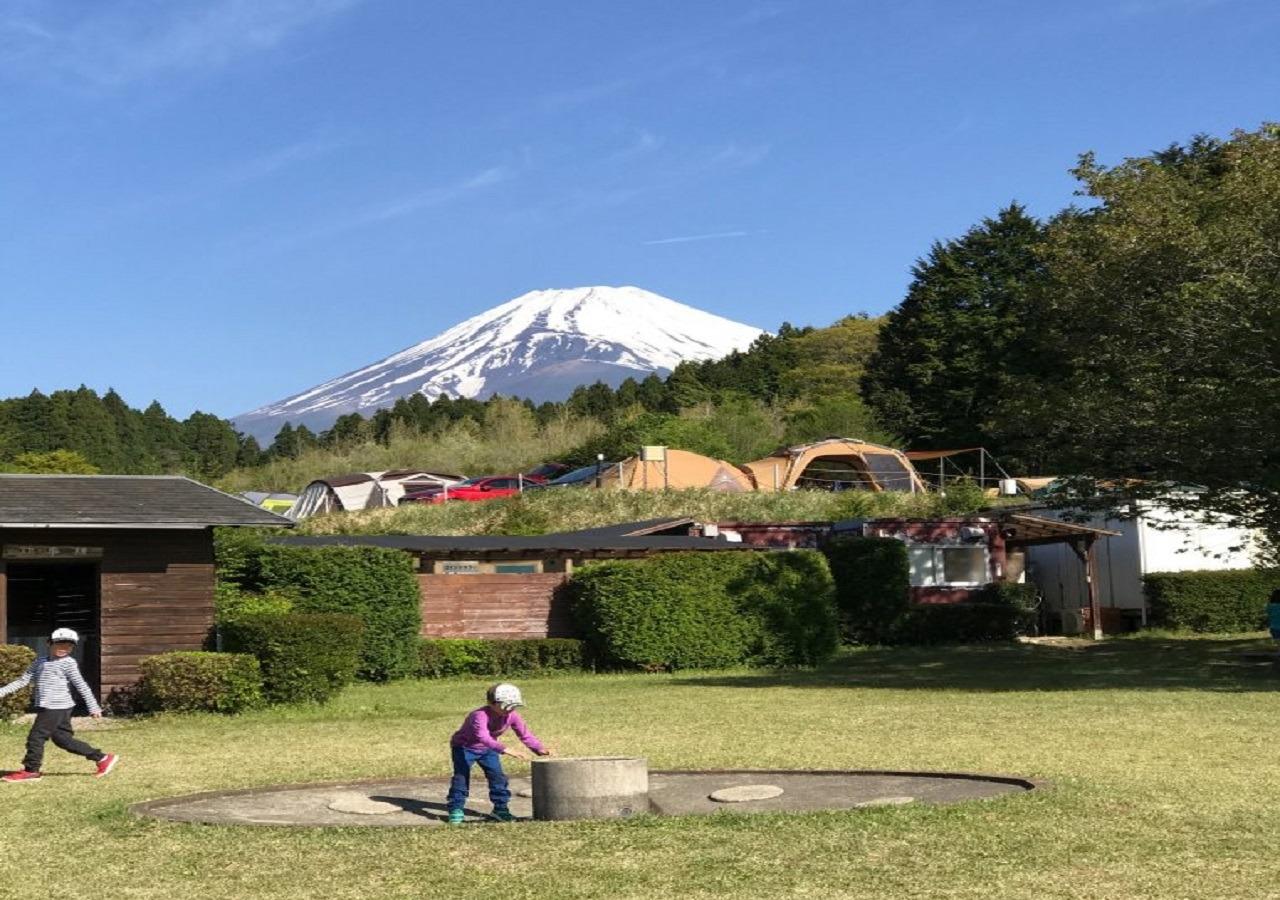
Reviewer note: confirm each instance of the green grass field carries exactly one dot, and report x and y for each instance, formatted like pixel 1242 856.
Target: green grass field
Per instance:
pixel 1161 751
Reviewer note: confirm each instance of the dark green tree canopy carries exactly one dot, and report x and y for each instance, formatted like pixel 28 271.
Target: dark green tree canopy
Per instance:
pixel 940 360
pixel 1157 352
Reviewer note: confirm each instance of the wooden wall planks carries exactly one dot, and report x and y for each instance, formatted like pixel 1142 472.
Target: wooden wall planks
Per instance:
pixel 495 606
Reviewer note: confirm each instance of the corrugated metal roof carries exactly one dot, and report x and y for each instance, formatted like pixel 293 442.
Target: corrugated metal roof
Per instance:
pixel 122 501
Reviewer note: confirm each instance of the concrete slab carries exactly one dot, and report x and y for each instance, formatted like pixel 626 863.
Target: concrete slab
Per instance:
pixel 420 801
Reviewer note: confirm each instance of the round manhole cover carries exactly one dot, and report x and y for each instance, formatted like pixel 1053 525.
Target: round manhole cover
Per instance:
pixel 361 805
pixel 744 792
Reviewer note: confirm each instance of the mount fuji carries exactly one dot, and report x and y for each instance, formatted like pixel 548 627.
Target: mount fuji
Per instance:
pixel 539 346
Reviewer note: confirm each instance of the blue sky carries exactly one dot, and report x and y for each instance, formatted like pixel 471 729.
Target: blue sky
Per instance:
pixel 218 203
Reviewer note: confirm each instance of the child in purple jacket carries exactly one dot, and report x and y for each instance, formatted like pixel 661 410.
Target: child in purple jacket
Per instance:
pixel 477 742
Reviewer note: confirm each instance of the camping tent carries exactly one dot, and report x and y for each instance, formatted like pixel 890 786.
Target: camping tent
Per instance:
pixel 836 464
pixel 276 503
pixel 398 482
pixel 363 490
pixel 358 490
pixel 677 470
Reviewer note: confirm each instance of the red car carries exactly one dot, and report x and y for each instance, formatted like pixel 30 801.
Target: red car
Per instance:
pixel 490 487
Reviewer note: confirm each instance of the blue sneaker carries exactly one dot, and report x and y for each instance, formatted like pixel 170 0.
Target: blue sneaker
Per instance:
pixel 502 814
pixel 455 817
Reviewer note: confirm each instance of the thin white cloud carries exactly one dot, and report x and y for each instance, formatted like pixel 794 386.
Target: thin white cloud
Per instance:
pixel 690 238
pixel 434 196
pixel 643 142
pixel 125 43
pixel 201 185
pixel 735 156
pixel 396 208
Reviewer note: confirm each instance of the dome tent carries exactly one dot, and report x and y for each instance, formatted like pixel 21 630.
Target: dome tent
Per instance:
pixel 836 464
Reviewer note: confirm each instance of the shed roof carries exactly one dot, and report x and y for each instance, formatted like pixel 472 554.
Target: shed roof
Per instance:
pixel 631 537
pixel 122 501
pixel 1027 529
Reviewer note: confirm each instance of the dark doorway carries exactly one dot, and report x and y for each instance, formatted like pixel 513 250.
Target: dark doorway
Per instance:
pixel 45 596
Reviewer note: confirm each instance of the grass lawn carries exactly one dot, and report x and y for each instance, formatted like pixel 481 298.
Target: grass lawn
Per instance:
pixel 1162 754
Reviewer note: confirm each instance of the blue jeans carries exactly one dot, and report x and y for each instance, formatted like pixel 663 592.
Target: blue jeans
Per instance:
pixel 491 764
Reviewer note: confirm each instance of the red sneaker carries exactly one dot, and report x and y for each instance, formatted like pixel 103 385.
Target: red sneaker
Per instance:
pixel 22 775
pixel 106 764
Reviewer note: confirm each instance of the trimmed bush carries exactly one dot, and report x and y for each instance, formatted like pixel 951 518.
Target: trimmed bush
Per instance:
pixel 199 682
pixel 1019 595
pixel 375 584
pixel 14 660
pixel 443 657
pixel 706 610
pixel 231 603
pixel 872 578
pixel 794 597
pixel 1213 601
pixel 960 623
pixel 303 656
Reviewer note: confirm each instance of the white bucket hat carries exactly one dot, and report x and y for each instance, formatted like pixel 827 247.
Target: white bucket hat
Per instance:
pixel 64 634
pixel 506 695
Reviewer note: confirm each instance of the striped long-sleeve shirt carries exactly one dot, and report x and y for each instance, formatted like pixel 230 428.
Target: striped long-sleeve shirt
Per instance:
pixel 54 679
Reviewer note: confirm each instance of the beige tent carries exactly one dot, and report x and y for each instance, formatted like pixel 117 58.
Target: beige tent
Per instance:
pixel 363 490
pixel 836 464
pixel 677 470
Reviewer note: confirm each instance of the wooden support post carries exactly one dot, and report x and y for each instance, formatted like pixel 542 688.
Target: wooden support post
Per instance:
pixel 1091 579
pixel 1084 550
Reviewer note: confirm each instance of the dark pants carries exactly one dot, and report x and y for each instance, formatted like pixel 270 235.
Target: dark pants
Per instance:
pixel 491 764
pixel 55 725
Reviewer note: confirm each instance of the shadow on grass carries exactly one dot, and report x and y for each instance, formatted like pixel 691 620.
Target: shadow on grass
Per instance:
pixel 1172 664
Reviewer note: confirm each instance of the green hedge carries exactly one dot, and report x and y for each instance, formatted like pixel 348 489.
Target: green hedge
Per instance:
pixel 443 657
pixel 872 578
pixel 190 681
pixel 14 660
pixel 707 610
pixel 793 596
pixel 375 584
pixel 1214 601
pixel 960 623
pixel 303 656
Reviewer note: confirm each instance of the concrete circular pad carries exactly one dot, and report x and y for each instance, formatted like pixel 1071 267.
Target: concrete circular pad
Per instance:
pixel 744 792
pixel 420 801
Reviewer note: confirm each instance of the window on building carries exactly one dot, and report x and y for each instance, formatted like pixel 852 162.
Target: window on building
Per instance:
pixel 933 565
pixel 516 568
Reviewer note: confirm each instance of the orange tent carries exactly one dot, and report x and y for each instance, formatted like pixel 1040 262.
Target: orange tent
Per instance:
pixel 677 470
pixel 836 464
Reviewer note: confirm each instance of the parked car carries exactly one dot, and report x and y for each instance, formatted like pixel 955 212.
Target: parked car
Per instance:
pixel 584 477
pixel 547 471
pixel 489 487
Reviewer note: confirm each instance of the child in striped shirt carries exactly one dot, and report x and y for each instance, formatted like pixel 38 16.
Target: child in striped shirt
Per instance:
pixel 54 676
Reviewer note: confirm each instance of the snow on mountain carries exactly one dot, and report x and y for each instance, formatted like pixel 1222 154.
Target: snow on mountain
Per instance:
pixel 540 345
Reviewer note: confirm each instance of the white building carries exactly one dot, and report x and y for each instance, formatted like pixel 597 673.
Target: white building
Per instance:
pixel 1156 539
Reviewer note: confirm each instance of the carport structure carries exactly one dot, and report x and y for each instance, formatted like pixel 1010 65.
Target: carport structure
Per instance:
pixel 1021 530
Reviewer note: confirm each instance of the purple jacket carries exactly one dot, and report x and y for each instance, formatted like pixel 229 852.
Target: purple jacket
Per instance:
pixel 482 727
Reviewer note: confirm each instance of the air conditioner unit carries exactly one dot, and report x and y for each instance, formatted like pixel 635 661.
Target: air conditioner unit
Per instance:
pixel 1073 621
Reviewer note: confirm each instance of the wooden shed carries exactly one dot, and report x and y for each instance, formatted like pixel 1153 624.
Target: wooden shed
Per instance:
pixel 125 560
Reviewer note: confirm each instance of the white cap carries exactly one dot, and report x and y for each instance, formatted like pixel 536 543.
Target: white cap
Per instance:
pixel 506 695
pixel 64 634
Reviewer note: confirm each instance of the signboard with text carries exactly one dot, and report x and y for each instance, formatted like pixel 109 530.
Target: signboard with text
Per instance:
pixel 36 551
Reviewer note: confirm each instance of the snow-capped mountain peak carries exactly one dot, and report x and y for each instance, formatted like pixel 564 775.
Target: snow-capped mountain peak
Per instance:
pixel 540 345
